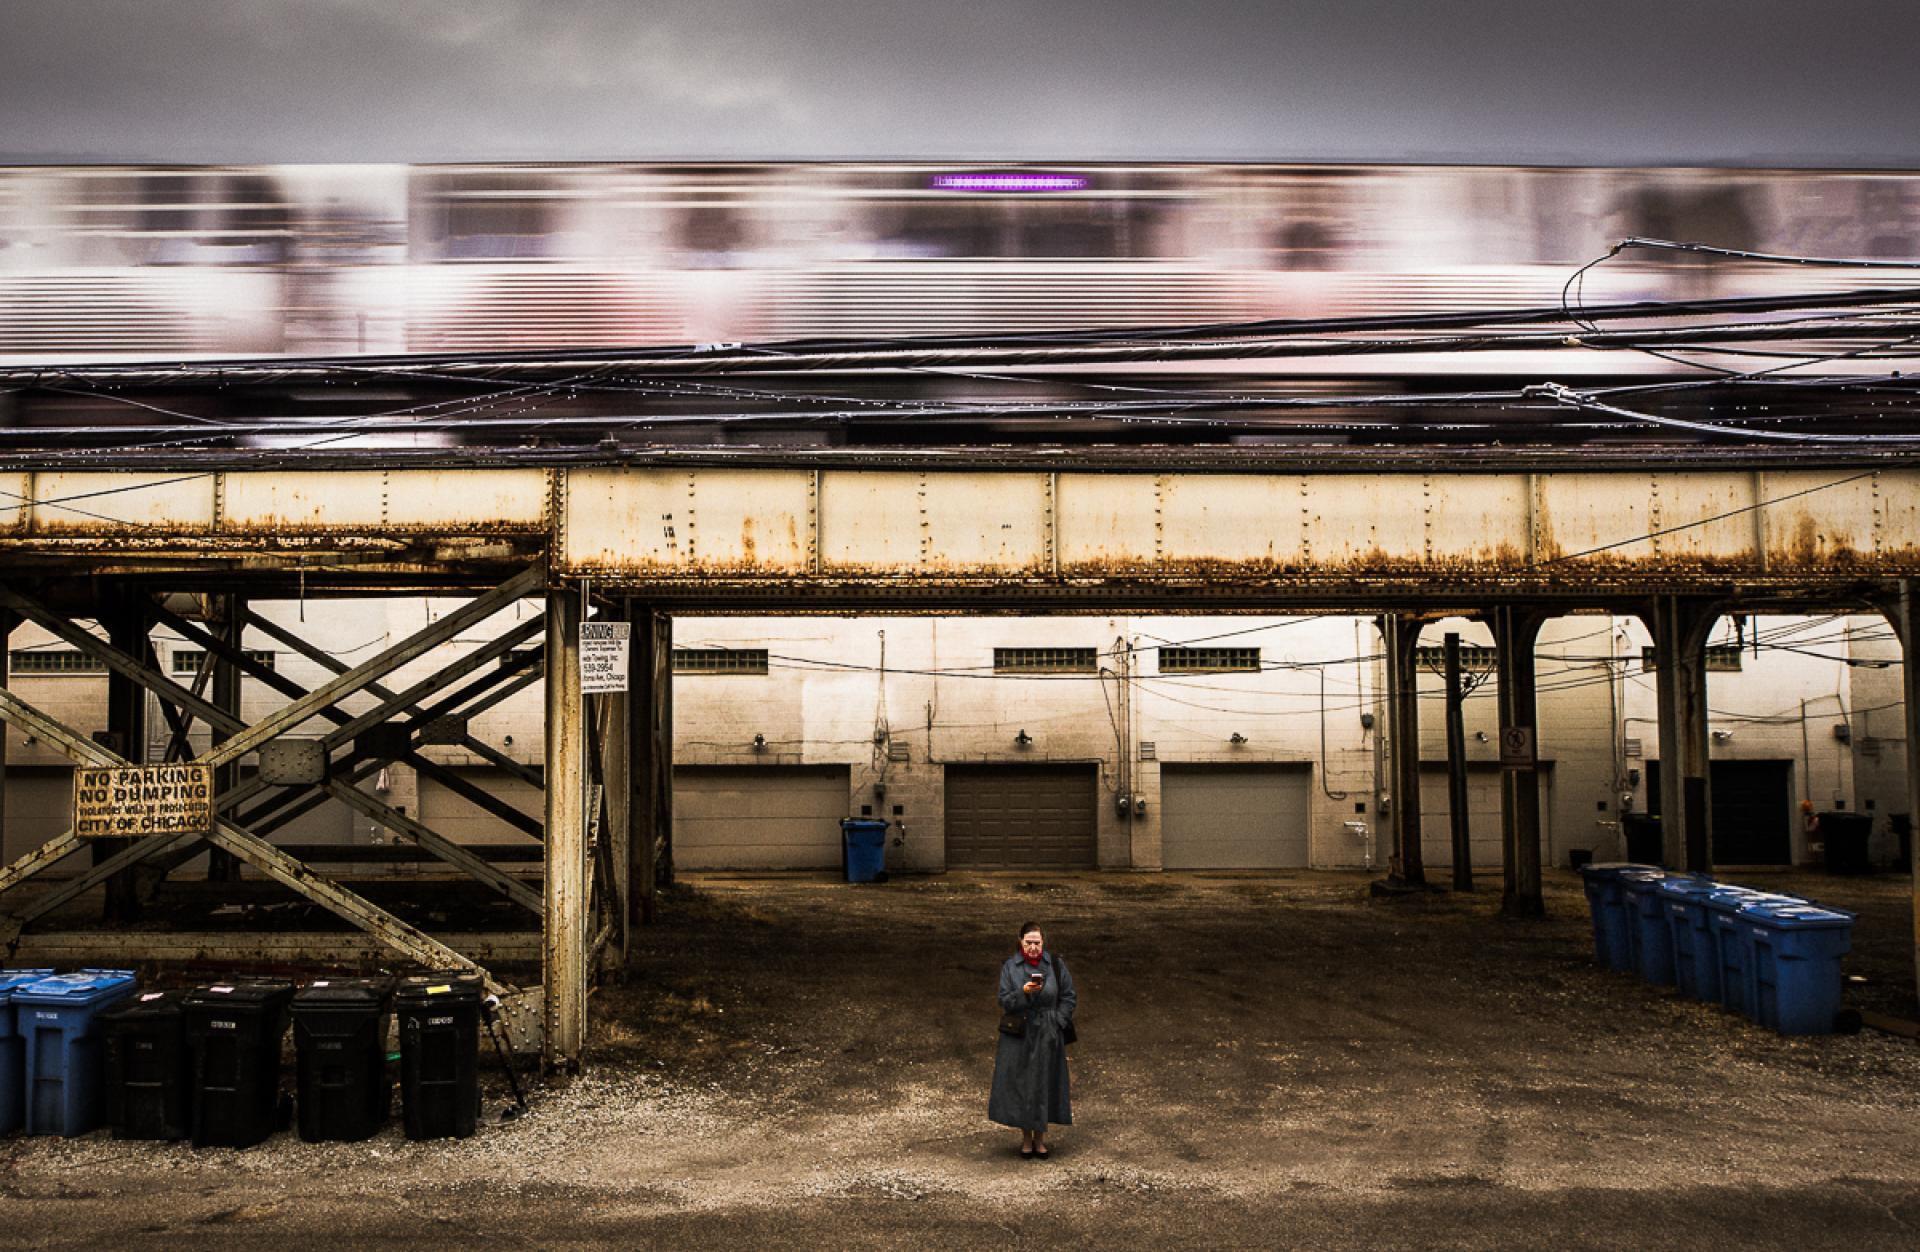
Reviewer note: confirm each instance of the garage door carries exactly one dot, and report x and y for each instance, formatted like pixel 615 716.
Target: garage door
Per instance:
pixel 39 807
pixel 758 817
pixel 1236 817
pixel 453 816
pixel 1020 817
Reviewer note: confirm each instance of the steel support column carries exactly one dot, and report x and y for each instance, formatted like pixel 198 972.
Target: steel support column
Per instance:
pixel 1515 629
pixel 7 622
pixel 1401 632
pixel 127 630
pixel 1903 611
pixel 616 745
pixel 1457 814
pixel 650 732
pixel 1680 627
pixel 222 865
pixel 566 904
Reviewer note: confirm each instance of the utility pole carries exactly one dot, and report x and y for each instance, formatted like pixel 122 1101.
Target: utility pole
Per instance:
pixel 1457 769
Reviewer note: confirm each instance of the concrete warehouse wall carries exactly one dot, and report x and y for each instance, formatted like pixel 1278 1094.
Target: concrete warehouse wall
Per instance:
pixel 895 700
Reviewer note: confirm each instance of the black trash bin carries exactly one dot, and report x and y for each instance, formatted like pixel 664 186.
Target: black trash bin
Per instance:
pixel 236 1028
pixel 1901 826
pixel 342 1089
pixel 439 1054
pixel 149 1068
pixel 1845 835
pixel 1644 845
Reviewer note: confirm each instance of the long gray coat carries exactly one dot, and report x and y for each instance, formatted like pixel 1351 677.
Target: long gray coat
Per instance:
pixel 1030 1070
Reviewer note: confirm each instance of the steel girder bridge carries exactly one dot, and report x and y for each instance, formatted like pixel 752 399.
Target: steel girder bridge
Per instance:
pixel 1515 540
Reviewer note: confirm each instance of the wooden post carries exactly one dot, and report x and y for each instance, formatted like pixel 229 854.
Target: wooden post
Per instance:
pixel 566 904
pixel 616 771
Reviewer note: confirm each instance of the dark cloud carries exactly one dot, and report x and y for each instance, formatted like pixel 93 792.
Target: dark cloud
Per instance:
pixel 1518 80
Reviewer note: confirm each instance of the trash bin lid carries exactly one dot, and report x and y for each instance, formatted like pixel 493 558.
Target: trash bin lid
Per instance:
pixel 254 993
pixel 1796 915
pixel 1613 869
pixel 424 988
pixel 81 988
pixel 336 993
pixel 12 978
pixel 146 1004
pixel 1688 885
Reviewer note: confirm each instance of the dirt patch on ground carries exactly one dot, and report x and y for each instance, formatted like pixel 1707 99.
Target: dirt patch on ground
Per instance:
pixel 1267 1060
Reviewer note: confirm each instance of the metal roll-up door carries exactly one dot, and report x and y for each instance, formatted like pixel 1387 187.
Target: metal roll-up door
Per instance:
pixel 759 817
pixel 1021 817
pixel 39 808
pixel 1235 817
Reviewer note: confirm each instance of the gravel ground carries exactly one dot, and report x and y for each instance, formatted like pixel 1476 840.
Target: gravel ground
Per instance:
pixel 1273 1060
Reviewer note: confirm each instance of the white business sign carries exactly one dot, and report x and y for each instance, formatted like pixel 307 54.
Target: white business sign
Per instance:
pixel 603 657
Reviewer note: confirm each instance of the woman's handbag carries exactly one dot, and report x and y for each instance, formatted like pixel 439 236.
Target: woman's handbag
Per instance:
pixel 1013 1024
pixel 1069 1035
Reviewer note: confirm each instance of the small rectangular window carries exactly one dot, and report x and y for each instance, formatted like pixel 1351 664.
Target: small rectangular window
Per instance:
pixel 55 661
pixel 1208 660
pixel 193 660
pixel 1044 661
pixel 1473 656
pixel 1722 658
pixel 719 660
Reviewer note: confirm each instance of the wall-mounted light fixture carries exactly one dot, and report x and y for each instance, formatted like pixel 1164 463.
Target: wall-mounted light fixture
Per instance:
pixel 1721 736
pixel 1479 736
pixel 1236 738
pixel 759 743
pixel 1023 739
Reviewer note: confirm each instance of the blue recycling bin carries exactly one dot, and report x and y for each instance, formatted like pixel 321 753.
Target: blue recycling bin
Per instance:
pixel 1646 911
pixel 13 1050
pixel 1733 944
pixel 1612 925
pixel 1796 949
pixel 864 844
pixel 65 1060
pixel 1696 959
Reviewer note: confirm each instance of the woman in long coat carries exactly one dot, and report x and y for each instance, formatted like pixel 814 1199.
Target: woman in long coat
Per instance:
pixel 1030 1068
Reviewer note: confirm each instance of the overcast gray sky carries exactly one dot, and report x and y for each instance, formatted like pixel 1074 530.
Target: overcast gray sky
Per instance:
pixel 1598 81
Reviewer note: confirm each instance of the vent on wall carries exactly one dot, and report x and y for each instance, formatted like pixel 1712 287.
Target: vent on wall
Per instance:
pixel 897 750
pixel 1634 749
pixel 1148 749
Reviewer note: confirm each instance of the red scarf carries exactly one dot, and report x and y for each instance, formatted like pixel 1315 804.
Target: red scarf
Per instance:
pixel 1033 961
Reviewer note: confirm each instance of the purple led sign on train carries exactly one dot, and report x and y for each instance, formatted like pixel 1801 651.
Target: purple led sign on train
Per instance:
pixel 1008 182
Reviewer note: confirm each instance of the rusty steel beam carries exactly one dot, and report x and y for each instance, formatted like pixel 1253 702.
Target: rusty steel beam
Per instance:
pixel 846 535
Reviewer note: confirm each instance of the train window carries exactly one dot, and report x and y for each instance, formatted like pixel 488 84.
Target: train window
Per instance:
pixel 712 236
pixel 199 218
pixel 1019 229
pixel 1307 246
pixel 489 215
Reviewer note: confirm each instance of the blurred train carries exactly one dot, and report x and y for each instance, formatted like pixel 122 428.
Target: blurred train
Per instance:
pixel 118 263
